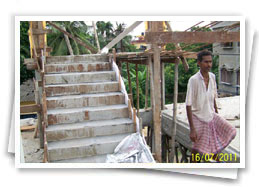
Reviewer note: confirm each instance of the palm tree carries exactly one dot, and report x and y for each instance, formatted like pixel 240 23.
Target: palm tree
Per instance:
pixel 78 29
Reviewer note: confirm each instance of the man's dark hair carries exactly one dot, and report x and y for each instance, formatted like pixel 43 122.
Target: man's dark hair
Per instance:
pixel 203 53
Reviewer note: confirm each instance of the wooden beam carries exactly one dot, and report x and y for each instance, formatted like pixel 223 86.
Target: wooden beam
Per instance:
pixel 156 26
pixel 48 50
pixel 120 37
pixel 30 108
pixel 41 31
pixel 191 37
pixel 68 43
pixel 73 37
pixel 157 102
pixel 28 127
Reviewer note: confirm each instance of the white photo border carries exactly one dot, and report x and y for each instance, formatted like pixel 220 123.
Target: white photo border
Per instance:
pixel 18 163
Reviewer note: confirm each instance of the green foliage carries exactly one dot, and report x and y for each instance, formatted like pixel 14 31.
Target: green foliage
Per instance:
pixel 77 29
pixel 24 52
pixel 141 79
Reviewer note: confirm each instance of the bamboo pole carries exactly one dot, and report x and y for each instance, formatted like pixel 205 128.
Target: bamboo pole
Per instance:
pixel 162 86
pixel 96 38
pixel 130 88
pixel 146 87
pixel 129 108
pixel 137 89
pixel 173 131
pixel 68 43
pixel 134 119
pixel 151 84
pixel 157 102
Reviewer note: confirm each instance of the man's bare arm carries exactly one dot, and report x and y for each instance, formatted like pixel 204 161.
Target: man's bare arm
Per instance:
pixel 193 135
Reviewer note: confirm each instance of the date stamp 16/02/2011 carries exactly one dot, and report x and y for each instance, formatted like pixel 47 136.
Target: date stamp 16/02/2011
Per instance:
pixel 221 157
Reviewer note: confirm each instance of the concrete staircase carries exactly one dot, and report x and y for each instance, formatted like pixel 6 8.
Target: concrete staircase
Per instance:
pixel 87 114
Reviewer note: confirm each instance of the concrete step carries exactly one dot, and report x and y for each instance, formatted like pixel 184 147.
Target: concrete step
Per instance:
pixel 80 77
pixel 88 159
pixel 84 100
pixel 89 129
pixel 75 115
pixel 78 148
pixel 77 67
pixel 82 88
pixel 76 59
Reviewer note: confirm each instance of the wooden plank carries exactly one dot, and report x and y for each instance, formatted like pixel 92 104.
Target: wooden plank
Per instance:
pixel 191 37
pixel 32 66
pixel 28 127
pixel 29 61
pixel 73 37
pixel 120 37
pixel 30 108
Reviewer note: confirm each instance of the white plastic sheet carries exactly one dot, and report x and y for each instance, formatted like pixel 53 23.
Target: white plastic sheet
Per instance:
pixel 131 149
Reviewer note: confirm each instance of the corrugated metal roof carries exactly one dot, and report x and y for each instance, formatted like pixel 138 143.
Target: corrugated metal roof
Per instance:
pixel 224 24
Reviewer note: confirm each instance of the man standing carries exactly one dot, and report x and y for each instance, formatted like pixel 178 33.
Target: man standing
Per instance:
pixel 209 132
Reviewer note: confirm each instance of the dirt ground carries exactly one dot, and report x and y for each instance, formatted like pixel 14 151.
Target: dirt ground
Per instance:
pixel 31 148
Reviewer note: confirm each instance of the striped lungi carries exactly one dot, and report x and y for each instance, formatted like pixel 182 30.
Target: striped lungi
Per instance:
pixel 213 136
